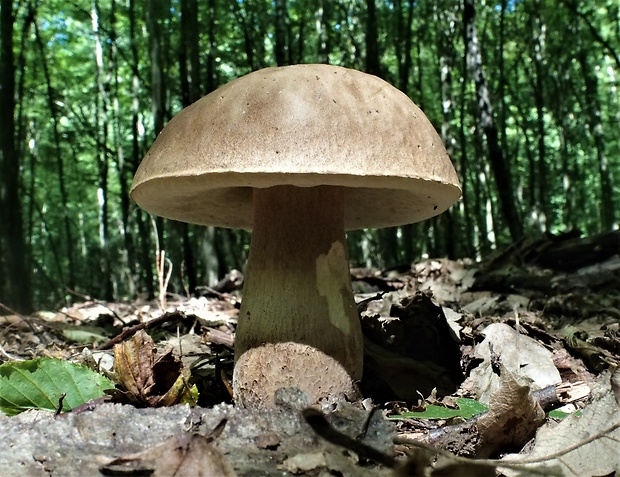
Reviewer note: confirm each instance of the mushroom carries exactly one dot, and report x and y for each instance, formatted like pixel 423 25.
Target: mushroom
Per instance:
pixel 298 154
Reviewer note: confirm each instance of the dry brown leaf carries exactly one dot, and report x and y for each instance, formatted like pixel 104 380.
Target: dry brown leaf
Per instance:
pixel 512 420
pixel 147 377
pixel 520 354
pixel 583 445
pixel 189 455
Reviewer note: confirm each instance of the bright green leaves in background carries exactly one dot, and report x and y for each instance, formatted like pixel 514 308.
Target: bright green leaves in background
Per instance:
pixel 40 383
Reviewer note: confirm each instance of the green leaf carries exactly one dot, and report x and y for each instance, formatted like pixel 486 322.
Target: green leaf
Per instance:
pixel 40 383
pixel 557 414
pixel 467 408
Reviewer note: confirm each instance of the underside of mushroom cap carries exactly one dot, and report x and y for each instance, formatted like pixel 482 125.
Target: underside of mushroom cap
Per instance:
pixel 302 125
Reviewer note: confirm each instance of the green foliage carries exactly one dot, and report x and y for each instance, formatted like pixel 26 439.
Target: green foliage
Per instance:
pixel 85 117
pixel 467 408
pixel 557 414
pixel 41 384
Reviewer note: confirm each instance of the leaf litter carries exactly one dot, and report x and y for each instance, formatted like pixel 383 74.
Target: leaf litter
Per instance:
pixel 512 334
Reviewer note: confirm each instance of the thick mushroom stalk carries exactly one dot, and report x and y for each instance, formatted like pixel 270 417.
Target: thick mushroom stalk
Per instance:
pixel 298 325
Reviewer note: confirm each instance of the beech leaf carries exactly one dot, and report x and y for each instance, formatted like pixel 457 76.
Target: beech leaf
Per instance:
pixel 586 444
pixel 148 377
pixel 41 383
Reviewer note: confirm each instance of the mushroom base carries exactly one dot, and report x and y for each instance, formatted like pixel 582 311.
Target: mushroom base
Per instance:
pixel 261 371
pixel 297 291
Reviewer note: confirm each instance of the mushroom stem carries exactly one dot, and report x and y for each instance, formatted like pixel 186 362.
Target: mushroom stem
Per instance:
pixel 298 285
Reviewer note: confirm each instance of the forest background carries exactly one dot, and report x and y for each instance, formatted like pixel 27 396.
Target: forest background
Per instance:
pixel 523 92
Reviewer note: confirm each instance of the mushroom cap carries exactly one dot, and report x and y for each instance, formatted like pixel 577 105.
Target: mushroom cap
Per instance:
pixel 302 125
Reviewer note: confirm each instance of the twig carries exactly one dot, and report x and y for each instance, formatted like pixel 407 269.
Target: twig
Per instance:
pixel 94 300
pixel 10 357
pixel 160 265
pixel 504 463
pixel 22 317
pixel 141 326
pixel 316 419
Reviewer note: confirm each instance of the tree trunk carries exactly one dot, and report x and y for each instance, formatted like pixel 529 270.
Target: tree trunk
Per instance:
pixel 373 64
pixel 446 50
pixel 282 23
pixel 158 93
pixel 592 109
pixel 323 29
pixel 499 164
pixel 102 128
pixel 211 75
pixel 16 291
pixel 541 178
pixel 62 189
pixel 189 60
pixel 189 56
pixel 128 255
pixel 155 13
pixel 147 281
pixel 402 41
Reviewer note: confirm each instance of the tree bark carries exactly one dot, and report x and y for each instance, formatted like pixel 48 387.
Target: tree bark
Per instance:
pixel 403 40
pixel 102 128
pixel 541 178
pixel 323 30
pixel 145 268
pixel 16 290
pixel 62 188
pixel 499 163
pixel 282 23
pixel 595 126
pixel 373 64
pixel 446 50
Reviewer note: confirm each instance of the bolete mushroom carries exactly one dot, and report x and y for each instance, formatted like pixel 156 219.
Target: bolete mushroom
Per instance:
pixel 298 154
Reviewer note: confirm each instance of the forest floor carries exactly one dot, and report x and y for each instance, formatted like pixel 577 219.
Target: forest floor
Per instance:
pixel 504 367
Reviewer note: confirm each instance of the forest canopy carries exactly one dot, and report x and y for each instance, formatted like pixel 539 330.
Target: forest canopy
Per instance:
pixel 523 92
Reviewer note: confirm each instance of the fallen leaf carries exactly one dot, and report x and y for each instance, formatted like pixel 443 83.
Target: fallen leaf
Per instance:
pixel 519 354
pixel 584 445
pixel 189 455
pixel 513 418
pixel 147 377
pixel 45 383
pixel 467 408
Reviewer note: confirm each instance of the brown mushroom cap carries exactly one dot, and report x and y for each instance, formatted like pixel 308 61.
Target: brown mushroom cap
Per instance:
pixel 303 125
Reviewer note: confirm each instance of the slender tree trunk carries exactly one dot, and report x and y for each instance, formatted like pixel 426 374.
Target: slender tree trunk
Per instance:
pixel 373 64
pixel 592 108
pixel 403 39
pixel 282 23
pixel 158 92
pixel 16 290
pixel 446 50
pixel 323 30
pixel 189 55
pixel 64 199
pixel 211 75
pixel 102 127
pixel 145 267
pixel 541 177
pixel 128 254
pixel 190 92
pixel 155 15
pixel 499 164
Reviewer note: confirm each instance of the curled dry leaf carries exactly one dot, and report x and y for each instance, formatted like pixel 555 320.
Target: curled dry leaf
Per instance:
pixel 513 418
pixel 189 455
pixel 147 377
pixel 586 444
pixel 521 355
